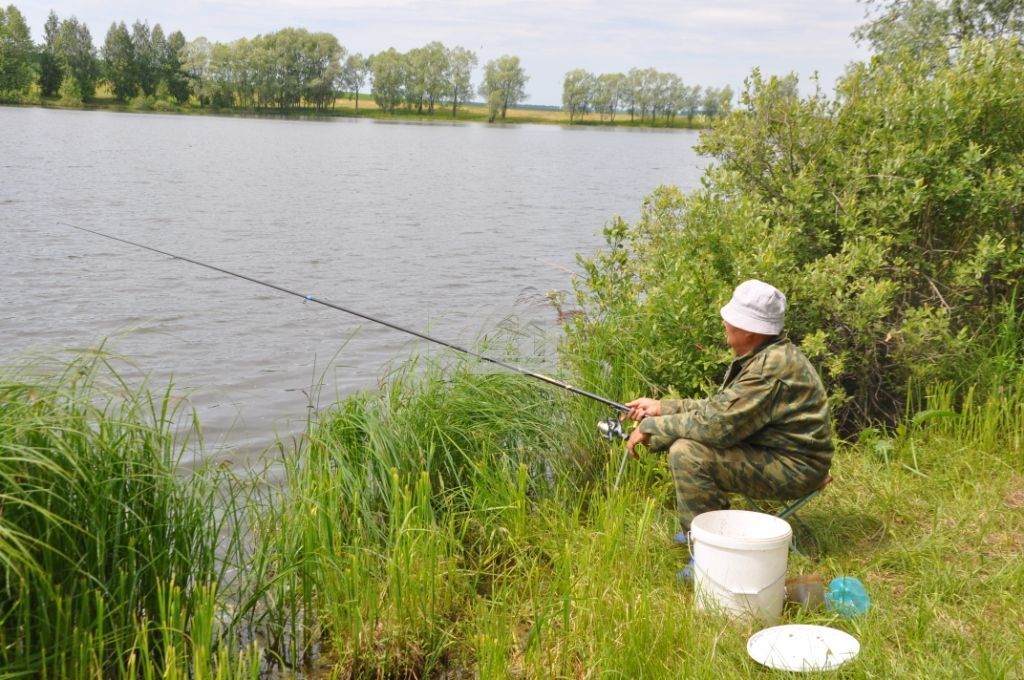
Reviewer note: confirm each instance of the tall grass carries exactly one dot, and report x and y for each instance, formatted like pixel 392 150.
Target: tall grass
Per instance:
pixel 463 523
pixel 109 558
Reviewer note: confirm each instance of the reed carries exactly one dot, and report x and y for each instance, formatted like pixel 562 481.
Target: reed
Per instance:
pixel 109 557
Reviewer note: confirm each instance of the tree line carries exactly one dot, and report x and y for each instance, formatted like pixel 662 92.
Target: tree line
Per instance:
pixel 284 70
pixel 644 93
pixel 294 68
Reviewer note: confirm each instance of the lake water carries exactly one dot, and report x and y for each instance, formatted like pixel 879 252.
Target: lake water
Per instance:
pixel 447 229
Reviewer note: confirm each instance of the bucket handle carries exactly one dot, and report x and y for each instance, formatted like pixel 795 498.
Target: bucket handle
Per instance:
pixel 753 593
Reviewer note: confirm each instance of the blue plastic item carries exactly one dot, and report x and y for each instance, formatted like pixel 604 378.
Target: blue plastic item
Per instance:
pixel 847 597
pixel 686 575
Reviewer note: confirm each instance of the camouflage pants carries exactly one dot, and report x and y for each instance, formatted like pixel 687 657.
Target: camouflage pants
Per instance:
pixel 704 476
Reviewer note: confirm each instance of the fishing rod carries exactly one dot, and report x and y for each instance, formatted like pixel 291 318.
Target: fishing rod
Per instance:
pixel 610 427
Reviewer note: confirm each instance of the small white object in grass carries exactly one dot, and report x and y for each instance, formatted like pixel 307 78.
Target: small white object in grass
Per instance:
pixel 799 647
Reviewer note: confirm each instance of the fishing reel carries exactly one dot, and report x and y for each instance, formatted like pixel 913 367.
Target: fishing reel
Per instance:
pixel 611 428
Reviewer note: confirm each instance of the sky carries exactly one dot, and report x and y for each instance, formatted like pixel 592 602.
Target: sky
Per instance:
pixel 711 43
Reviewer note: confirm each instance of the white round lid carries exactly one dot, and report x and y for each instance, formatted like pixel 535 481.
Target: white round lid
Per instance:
pixel 799 647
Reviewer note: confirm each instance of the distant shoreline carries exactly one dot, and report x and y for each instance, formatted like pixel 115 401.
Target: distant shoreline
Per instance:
pixel 346 108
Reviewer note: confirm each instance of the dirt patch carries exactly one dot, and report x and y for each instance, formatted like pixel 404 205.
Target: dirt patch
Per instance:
pixel 1004 544
pixel 1014 498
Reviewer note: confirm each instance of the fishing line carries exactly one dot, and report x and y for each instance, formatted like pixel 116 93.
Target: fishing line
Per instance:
pixel 622 408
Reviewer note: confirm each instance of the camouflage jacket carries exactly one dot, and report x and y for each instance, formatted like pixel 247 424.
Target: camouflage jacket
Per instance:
pixel 771 398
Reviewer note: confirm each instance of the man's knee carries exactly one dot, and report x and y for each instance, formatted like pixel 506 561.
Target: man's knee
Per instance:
pixel 687 454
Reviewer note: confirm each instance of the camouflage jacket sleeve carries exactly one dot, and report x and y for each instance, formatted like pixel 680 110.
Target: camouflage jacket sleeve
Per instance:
pixel 721 421
pixel 670 407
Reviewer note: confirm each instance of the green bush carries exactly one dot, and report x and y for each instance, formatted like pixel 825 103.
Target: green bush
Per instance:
pixel 142 103
pixel 890 216
pixel 71 92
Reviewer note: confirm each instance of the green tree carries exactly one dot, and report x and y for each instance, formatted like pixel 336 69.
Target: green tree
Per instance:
pixel 16 53
pixel 196 57
pixel 642 84
pixel 712 102
pixel 932 29
pixel 158 46
pixel 669 96
pixel 459 76
pixel 249 75
pixel 414 83
pixel 504 85
pixel 692 97
pixel 77 58
pixel 147 73
pixel 577 92
pixel 434 58
pixel 119 62
pixel 172 70
pixel 353 75
pixel 388 72
pixel 226 73
pixel 629 91
pixel 649 84
pixel 325 56
pixel 50 74
pixel 608 92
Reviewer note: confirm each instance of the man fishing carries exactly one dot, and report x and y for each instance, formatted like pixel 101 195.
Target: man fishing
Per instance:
pixel 766 433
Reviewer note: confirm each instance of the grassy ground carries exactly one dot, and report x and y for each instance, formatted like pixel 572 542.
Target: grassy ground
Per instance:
pixel 464 544
pixel 464 524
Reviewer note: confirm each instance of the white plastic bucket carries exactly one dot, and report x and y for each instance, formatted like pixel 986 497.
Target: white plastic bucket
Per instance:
pixel 740 562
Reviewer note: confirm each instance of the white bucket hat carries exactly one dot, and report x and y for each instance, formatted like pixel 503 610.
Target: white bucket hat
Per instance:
pixel 756 307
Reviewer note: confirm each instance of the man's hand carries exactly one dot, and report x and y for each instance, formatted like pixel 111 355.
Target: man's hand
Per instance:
pixel 643 407
pixel 636 437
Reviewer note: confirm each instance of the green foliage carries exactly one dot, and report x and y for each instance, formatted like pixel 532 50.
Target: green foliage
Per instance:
pixel 404 504
pixel 420 78
pixel 459 75
pixel 891 217
pixel 142 103
pixel 171 68
pixel 281 70
pixel 930 30
pixel 353 75
pixel 76 56
pixel 119 62
pixel 144 67
pixel 105 549
pixel 504 85
pixel 421 538
pixel 577 92
pixel 388 79
pixel 70 92
pixel 50 72
pixel 16 54
pixel 648 93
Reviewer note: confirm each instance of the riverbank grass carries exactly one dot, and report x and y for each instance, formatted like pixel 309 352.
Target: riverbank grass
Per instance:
pixel 465 523
pixel 469 540
pixel 110 559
